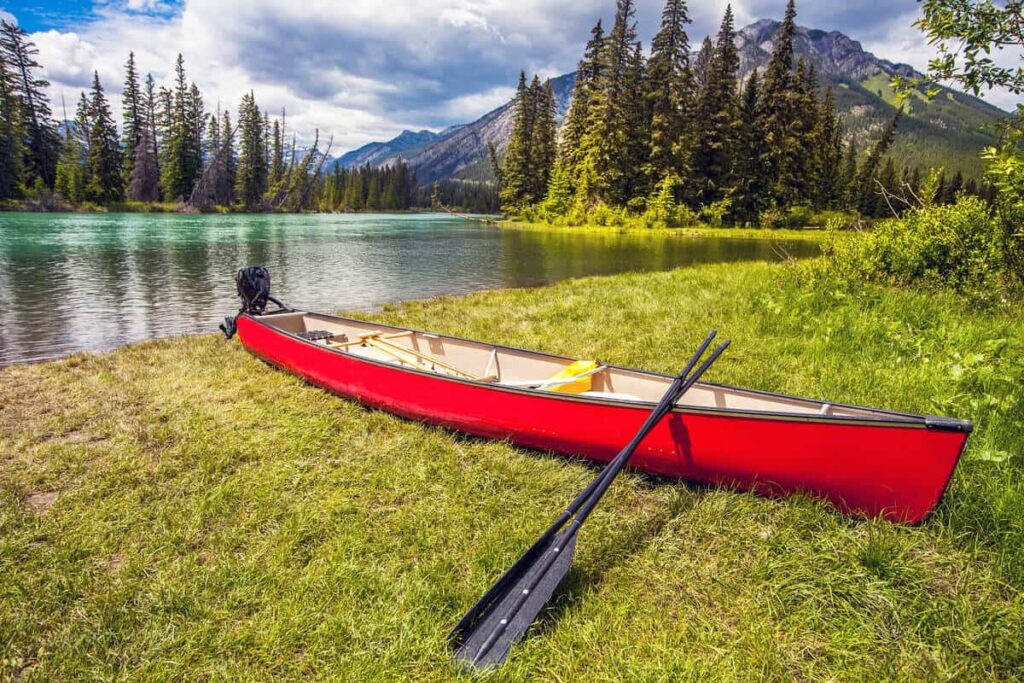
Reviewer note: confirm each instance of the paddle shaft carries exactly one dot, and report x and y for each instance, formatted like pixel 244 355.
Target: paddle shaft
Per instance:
pixel 600 486
pixel 506 579
pixel 548 549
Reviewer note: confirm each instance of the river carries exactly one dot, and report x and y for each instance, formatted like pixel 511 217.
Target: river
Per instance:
pixel 73 282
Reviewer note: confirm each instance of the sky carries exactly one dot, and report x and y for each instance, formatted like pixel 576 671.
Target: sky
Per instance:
pixel 364 70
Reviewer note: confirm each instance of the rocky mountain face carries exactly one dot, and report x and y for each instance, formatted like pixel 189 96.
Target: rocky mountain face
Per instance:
pixel 379 153
pixel 947 131
pixel 833 54
pixel 459 151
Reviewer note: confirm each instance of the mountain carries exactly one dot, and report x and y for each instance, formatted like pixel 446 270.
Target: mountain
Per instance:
pixel 457 151
pixel 948 131
pixel 379 153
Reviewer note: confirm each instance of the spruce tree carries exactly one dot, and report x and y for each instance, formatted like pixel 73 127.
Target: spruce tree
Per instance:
pixel 133 119
pixel 887 181
pixel 570 151
pixel 668 91
pixel 715 143
pixel 515 166
pixel 12 135
pixel 956 185
pixel 277 168
pixel 149 101
pixel 41 145
pixel 224 189
pixel 251 177
pixel 195 121
pixel 866 191
pixel 144 182
pixel 797 171
pixel 702 65
pixel 780 111
pixel 847 189
pixel 828 155
pixel 105 181
pixel 604 173
pixel 543 147
pixel 73 165
pixel 636 153
pixel 751 183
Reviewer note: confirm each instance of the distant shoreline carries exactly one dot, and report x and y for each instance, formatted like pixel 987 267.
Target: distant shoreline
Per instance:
pixel 25 206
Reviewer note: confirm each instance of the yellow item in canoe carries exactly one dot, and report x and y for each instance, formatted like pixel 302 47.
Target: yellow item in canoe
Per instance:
pixel 579 367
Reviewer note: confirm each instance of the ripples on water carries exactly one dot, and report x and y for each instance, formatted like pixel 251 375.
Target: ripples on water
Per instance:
pixel 71 282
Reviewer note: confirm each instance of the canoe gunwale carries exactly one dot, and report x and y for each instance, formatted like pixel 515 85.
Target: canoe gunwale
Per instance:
pixel 887 418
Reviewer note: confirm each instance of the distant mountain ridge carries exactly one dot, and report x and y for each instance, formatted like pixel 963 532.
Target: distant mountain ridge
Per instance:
pixel 948 130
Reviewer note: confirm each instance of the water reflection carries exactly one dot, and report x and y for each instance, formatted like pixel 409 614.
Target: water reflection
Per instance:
pixel 90 281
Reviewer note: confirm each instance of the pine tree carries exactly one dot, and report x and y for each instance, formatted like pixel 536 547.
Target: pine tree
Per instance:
pixel 866 191
pixel 12 134
pixel 847 189
pixel 889 181
pixel 195 122
pixel 277 168
pixel 751 184
pixel 544 140
pixel 105 181
pixel 956 185
pixel 224 188
pixel 828 155
pixel 251 177
pixel 132 116
pixel 779 87
pixel 716 141
pixel 668 91
pixel 515 166
pixel 41 146
pixel 604 172
pixel 570 152
pixel 797 172
pixel 73 165
pixel 702 65
pixel 149 102
pixel 636 153
pixel 144 182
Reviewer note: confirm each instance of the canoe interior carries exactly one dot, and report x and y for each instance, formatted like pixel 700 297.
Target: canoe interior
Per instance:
pixel 503 366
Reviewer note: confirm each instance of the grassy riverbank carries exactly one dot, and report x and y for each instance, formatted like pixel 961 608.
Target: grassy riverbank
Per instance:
pixel 788 234
pixel 178 509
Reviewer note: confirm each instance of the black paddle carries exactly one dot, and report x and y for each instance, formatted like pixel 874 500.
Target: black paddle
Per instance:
pixel 488 630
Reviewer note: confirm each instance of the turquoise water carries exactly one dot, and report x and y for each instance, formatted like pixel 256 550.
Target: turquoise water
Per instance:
pixel 71 282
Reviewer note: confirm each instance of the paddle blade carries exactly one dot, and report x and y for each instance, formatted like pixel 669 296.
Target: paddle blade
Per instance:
pixel 487 641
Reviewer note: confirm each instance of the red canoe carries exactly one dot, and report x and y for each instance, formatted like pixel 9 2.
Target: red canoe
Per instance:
pixel 865 461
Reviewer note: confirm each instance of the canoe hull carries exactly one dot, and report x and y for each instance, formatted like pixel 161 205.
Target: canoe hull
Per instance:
pixel 898 472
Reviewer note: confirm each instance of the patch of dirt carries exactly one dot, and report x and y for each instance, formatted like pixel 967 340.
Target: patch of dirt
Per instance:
pixel 74 436
pixel 41 501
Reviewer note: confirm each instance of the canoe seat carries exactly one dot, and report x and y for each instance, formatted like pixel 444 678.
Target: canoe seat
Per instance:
pixel 576 378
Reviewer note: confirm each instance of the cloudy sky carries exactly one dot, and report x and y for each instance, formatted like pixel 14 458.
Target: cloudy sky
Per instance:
pixel 364 70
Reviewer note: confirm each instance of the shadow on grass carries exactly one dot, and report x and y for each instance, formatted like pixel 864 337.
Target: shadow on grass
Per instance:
pixel 614 550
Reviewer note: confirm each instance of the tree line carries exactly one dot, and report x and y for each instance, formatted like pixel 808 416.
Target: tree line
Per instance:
pixel 171 149
pixel 666 132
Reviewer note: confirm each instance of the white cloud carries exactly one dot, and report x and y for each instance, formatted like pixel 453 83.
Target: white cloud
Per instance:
pixel 362 70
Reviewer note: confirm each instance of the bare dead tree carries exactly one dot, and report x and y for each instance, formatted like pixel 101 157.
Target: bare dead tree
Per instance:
pixel 205 187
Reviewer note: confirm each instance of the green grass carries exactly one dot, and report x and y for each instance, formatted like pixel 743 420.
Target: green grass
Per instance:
pixel 216 518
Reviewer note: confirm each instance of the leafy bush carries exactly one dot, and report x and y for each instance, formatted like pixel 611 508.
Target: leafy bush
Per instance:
pixel 955 245
pixel 1006 171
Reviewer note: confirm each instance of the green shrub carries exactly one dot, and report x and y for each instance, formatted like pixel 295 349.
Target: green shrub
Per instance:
pixel 956 246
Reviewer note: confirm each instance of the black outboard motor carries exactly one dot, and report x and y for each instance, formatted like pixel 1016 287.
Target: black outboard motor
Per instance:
pixel 253 285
